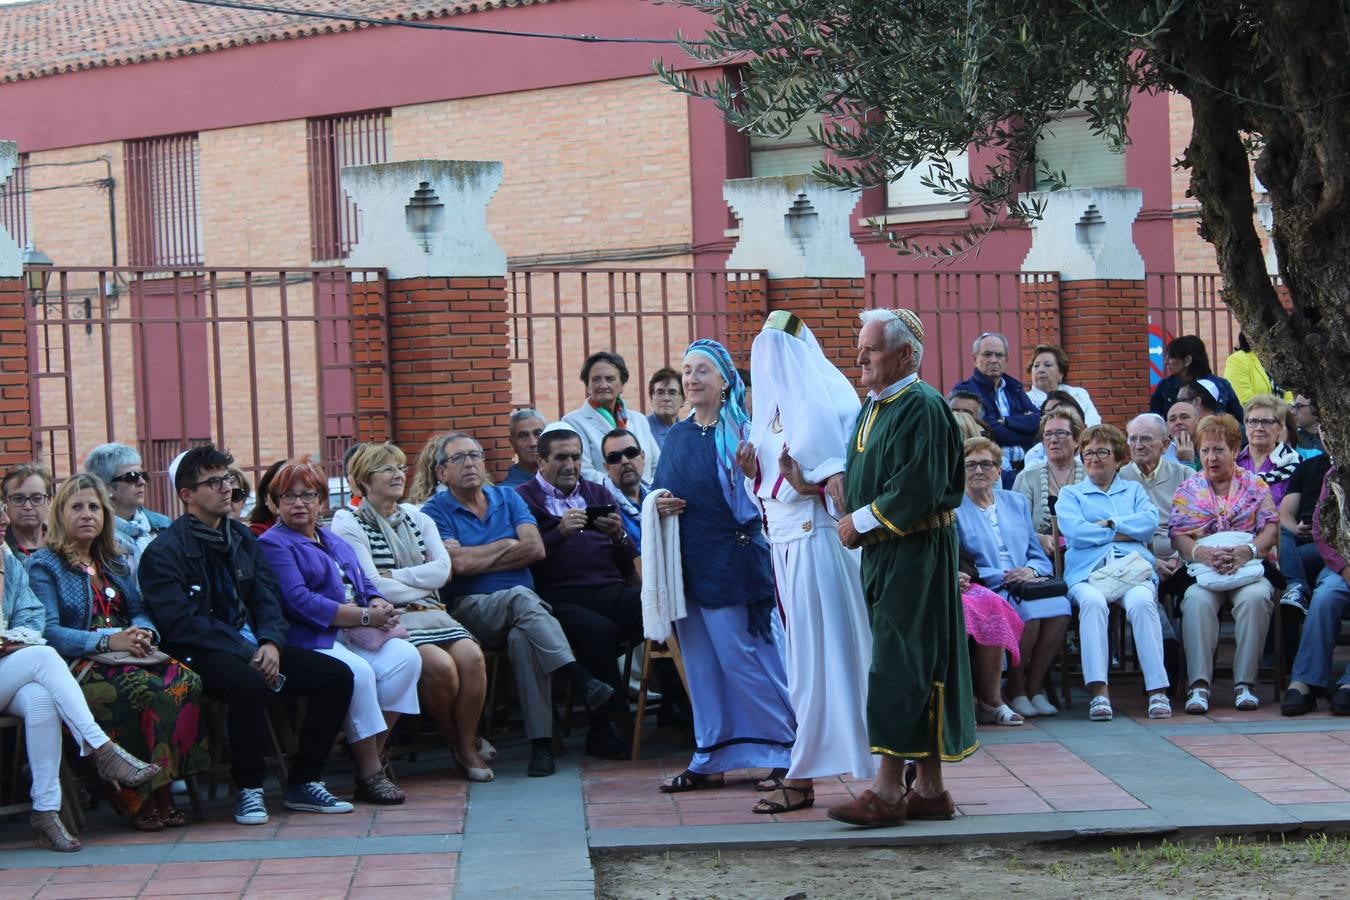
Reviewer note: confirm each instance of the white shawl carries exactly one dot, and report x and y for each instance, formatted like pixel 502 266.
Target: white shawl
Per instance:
pixel 662 570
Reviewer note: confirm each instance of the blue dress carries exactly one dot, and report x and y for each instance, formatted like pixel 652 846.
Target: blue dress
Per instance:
pixel 730 639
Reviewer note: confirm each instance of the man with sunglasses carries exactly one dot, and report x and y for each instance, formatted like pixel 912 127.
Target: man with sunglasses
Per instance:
pixel 218 609
pixel 121 469
pixel 624 462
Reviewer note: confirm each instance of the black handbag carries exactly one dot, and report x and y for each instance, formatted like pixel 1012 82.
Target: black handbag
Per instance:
pixel 1039 589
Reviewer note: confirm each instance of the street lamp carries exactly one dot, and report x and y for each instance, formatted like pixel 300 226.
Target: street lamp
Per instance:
pixel 37 272
pixel 425 213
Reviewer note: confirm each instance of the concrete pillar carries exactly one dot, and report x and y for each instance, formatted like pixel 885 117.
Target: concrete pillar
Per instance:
pixel 797 229
pixel 1086 236
pixel 426 222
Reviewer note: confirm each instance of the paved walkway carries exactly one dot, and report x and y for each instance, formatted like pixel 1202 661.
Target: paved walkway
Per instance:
pixel 1052 778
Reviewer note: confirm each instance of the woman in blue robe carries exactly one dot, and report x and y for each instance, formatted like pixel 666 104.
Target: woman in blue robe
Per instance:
pixel 730 638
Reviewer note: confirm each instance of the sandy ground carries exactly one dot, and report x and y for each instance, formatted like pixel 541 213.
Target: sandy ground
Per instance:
pixel 1249 866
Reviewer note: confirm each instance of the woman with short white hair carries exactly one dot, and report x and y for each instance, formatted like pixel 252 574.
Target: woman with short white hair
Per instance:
pixel 121 469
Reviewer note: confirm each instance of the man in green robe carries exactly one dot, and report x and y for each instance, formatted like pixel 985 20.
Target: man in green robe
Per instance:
pixel 903 483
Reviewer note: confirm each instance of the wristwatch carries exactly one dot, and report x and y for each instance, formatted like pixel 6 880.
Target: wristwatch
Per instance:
pixel 1111 524
pixel 104 643
pixel 365 615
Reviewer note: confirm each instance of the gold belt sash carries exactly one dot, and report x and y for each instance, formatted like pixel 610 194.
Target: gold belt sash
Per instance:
pixel 939 519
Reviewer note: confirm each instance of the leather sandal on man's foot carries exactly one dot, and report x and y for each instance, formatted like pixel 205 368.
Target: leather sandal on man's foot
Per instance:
pixel 805 799
pixel 692 781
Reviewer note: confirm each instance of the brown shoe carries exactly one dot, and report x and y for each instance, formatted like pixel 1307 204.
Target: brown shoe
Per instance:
pixel 940 807
pixel 869 811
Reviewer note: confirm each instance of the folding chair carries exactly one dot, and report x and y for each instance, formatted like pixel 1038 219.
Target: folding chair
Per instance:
pixel 653 650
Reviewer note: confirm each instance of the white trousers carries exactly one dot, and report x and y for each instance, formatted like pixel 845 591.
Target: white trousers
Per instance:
pixel 1094 615
pixel 1200 629
pixel 385 681
pixel 36 685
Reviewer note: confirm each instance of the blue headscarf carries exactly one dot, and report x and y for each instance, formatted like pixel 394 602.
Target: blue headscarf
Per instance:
pixel 733 426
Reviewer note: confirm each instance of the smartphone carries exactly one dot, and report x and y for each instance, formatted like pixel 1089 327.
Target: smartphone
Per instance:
pixel 597 512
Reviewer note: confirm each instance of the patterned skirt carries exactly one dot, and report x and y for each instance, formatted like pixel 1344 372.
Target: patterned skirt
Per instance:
pixel 154 713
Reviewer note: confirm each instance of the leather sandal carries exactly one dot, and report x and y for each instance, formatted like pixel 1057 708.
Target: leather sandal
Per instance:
pixel 173 818
pixel 771 782
pixel 378 789
pixel 1197 701
pixel 771 806
pixel 147 821
pixel 1099 709
pixel 692 781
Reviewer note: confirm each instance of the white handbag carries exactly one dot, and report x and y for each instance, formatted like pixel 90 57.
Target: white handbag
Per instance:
pixel 1249 572
pixel 1116 576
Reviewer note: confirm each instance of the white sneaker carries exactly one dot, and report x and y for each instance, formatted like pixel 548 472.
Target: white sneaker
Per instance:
pixel 1022 706
pixel 1043 706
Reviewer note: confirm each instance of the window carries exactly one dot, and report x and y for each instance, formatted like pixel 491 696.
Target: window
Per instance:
pixel 14 203
pixel 908 192
pixel 354 140
pixel 1068 145
pixel 792 154
pixel 163 212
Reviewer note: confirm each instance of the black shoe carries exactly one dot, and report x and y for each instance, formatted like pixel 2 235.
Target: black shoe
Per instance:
pixel 541 763
pixel 603 743
pixel 1340 701
pixel 597 695
pixel 1296 703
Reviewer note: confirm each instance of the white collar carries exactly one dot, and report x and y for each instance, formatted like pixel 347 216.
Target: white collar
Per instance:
pixel 894 389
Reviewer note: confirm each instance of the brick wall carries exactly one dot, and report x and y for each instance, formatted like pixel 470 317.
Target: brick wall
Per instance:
pixel 15 425
pixel 1103 328
pixel 254 191
pixel 829 307
pixel 450 370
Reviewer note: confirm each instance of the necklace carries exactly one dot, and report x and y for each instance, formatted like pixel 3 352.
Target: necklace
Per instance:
pixel 1055 483
pixel 704 429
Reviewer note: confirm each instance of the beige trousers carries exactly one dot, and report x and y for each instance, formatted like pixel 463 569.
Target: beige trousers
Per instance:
pixel 1200 629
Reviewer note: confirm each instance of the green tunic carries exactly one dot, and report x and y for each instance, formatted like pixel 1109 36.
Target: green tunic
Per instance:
pixel 906 462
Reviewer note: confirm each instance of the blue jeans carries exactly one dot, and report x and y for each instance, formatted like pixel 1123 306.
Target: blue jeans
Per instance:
pixel 1299 563
pixel 1312 666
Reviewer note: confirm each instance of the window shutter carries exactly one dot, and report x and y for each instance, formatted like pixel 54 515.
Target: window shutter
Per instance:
pixel 1086 159
pixel 908 191
pixel 792 154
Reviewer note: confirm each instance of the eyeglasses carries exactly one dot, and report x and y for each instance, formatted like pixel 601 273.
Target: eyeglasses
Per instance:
pixel 1059 434
pixel 238 495
pixel 217 483
pixel 667 392
pixel 1099 453
pixel 1302 404
pixel 1262 423
pixel 615 457
pixel 458 459
pixel 130 477
pixel 305 497
pixel 390 470
pixel 981 465
pixel 29 500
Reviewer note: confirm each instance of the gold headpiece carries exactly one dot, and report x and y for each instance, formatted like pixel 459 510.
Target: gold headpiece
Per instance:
pixel 782 320
pixel 911 320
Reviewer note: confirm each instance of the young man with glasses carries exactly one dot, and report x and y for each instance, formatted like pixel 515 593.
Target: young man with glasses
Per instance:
pixel 28 495
pixel 493 540
pixel 218 609
pixel 121 469
pixel 1008 412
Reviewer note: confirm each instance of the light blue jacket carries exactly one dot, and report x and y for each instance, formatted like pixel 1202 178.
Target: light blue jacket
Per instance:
pixel 1125 503
pixel 1014 525
pixel 22 607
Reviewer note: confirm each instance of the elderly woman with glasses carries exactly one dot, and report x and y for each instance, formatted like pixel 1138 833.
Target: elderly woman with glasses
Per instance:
pixel 1049 367
pixel 122 471
pixel 335 610
pixel 1266 455
pixel 402 556
pixel 1059 432
pixel 605 374
pixel 28 497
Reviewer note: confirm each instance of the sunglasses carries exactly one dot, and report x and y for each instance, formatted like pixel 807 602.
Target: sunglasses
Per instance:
pixel 130 477
pixel 238 495
pixel 619 456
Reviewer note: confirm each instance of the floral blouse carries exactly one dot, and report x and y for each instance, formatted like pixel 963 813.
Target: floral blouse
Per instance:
pixel 1247 507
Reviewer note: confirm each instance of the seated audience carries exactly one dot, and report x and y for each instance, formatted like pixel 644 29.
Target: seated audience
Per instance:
pixel 323 589
pixel 28 496
pixel 217 606
pixel 588 574
pixel 995 527
pixel 525 427
pixel 666 393
pixel 403 559
pixel 1011 416
pixel 624 462
pixel 965 403
pixel 993 628
pixel 1300 556
pixel 1187 361
pixel 1105 518
pixel 605 374
pixel 1041 485
pixel 36 686
pixel 1265 455
pixel 1053 401
pixel 1308 434
pixel 968 425
pixel 1203 394
pixel 1146 436
pixel 1311 677
pixel 243 489
pixel 1245 373
pixel 263 515
pixel 1049 367
pixel 93 609
pixel 1197 511
pixel 1181 422
pixel 122 471
pixel 493 540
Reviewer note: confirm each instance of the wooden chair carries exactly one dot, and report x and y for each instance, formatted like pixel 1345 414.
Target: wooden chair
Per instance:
pixel 15 785
pixel 653 650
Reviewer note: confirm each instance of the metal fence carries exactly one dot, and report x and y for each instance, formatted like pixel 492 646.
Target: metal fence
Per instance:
pixel 1192 303
pixel 558 317
pixel 267 363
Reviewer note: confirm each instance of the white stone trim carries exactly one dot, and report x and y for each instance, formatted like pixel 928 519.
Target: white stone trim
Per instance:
pixel 793 226
pixel 1086 234
pixel 11 254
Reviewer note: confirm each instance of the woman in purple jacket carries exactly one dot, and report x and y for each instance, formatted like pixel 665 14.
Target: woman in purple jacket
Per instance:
pixel 333 609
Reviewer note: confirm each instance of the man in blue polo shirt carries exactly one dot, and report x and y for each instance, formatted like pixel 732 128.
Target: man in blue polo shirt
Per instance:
pixel 493 540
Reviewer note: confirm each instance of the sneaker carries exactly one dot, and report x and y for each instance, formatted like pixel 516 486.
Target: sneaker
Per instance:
pixel 312 796
pixel 249 808
pixel 1294 596
pixel 1043 706
pixel 1022 706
